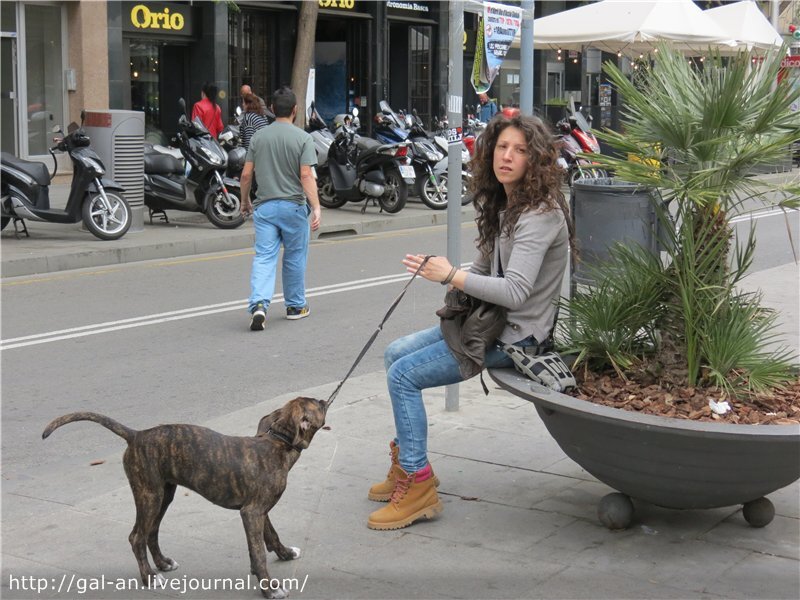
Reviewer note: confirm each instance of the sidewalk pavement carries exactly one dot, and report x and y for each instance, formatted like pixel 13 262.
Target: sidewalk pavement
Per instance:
pixel 59 247
pixel 519 520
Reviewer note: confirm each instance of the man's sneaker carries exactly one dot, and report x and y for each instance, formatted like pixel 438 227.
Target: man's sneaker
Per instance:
pixel 258 318
pixel 297 312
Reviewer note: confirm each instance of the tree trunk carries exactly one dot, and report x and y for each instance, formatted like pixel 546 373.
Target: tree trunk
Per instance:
pixel 306 32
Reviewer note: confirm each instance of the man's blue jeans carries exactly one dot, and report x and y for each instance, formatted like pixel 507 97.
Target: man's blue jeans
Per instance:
pixel 413 363
pixel 280 222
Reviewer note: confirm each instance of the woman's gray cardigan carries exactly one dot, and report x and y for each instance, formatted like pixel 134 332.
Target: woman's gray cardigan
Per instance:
pixel 534 258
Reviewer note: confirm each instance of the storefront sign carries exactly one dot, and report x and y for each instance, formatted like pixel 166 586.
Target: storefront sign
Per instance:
pixel 150 17
pixel 408 9
pixel 340 4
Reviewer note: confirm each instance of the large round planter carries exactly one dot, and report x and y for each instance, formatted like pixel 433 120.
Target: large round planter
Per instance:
pixel 674 463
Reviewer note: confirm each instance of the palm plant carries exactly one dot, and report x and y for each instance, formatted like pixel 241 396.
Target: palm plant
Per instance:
pixel 698 134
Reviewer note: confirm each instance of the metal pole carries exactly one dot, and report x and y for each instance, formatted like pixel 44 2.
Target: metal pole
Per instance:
pixel 526 74
pixel 455 73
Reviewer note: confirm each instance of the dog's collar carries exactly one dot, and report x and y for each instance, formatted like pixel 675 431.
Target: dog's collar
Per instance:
pixel 283 438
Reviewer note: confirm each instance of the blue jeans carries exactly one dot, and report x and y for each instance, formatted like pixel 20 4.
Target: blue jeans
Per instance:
pixel 280 222
pixel 413 363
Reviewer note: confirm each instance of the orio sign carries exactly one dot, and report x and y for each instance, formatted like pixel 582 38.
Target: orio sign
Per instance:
pixel 161 18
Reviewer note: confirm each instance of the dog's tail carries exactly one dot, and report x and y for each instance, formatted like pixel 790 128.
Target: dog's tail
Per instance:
pixel 125 433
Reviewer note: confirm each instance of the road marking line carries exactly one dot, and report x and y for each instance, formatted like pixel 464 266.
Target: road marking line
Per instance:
pixel 187 313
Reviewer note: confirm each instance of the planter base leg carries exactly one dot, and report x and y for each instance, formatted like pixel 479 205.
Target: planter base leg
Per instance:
pixel 759 513
pixel 615 511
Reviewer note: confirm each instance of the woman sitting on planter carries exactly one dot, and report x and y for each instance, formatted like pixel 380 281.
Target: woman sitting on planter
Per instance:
pixel 523 237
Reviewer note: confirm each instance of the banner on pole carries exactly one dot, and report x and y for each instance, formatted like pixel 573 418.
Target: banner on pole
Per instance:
pixel 496 31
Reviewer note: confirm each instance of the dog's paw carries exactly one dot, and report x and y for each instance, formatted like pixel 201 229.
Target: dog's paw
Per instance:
pixel 275 593
pixel 288 553
pixel 168 565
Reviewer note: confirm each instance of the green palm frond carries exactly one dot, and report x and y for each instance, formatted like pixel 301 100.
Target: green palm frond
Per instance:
pixel 697 135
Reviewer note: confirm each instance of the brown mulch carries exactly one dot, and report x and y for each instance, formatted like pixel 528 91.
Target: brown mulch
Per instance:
pixel 779 407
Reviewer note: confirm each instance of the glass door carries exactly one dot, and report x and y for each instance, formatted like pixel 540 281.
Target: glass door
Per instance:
pixel 8 94
pixel 44 68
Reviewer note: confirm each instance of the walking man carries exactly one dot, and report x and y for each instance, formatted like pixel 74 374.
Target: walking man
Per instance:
pixel 281 156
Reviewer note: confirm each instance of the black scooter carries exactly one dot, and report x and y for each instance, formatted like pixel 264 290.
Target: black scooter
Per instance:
pixel 25 190
pixel 361 168
pixel 204 189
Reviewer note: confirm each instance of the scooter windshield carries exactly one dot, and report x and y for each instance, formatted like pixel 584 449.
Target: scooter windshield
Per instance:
pixel 387 110
pixel 582 122
pixel 198 125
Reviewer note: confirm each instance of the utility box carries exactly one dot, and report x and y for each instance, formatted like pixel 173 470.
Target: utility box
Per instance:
pixel 606 211
pixel 118 138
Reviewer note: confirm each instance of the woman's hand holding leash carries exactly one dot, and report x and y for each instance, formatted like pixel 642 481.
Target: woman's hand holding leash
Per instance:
pixel 437 269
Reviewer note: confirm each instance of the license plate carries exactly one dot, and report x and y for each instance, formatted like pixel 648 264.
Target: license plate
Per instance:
pixel 406 171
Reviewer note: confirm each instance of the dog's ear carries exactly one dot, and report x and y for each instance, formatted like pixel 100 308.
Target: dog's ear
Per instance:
pixel 267 420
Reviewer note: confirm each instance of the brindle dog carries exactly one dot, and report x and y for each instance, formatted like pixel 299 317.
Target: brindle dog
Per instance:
pixel 247 474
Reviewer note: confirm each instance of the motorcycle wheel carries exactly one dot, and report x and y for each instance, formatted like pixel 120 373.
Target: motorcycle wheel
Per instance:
pixel 223 213
pixel 4 221
pixel 327 197
pixel 106 225
pixel 433 195
pixel 396 194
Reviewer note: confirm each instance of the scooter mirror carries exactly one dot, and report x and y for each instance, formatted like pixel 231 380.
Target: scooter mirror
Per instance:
pixel 414 112
pixel 182 104
pixel 355 111
pixel 238 111
pixel 83 116
pixel 56 129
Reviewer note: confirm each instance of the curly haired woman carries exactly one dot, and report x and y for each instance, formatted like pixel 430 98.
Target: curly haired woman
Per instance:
pixel 524 233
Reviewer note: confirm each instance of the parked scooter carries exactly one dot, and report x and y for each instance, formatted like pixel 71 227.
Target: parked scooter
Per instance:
pixel 577 137
pixel 230 141
pixel 97 201
pixel 322 136
pixel 359 168
pixel 204 189
pixel 428 154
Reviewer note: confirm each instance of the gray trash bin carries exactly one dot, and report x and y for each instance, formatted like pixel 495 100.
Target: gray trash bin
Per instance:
pixel 606 211
pixel 118 138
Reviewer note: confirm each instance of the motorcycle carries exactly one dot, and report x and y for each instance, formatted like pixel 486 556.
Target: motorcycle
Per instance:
pixel 576 137
pixel 358 167
pixel 322 136
pixel 428 154
pixel 231 143
pixel 93 199
pixel 167 185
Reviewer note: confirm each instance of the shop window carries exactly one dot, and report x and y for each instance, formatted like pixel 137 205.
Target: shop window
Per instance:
pixel 250 55
pixel 145 69
pixel 44 74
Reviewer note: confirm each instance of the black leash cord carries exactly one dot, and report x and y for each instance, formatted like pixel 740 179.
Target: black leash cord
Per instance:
pixel 377 331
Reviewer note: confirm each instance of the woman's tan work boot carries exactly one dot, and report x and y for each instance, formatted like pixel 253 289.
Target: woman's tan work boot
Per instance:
pixel 413 498
pixel 381 492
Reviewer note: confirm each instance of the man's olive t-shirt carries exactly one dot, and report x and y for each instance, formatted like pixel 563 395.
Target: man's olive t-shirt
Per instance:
pixel 277 152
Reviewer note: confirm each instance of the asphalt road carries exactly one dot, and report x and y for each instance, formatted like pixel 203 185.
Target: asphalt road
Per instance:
pixel 168 341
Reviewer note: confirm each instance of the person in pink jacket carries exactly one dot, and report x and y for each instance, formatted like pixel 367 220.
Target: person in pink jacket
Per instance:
pixel 208 111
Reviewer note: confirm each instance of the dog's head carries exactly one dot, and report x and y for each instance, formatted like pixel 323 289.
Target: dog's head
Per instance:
pixel 298 420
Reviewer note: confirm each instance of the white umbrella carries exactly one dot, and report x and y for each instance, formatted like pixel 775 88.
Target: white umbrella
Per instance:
pixel 631 26
pixel 745 23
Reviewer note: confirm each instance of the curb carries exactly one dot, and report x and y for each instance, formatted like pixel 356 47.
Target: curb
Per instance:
pixel 54 248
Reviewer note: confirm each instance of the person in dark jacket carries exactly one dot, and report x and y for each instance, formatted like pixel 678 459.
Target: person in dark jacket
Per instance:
pixel 524 234
pixel 208 111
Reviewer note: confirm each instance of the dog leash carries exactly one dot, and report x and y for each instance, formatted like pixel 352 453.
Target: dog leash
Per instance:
pixel 377 331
